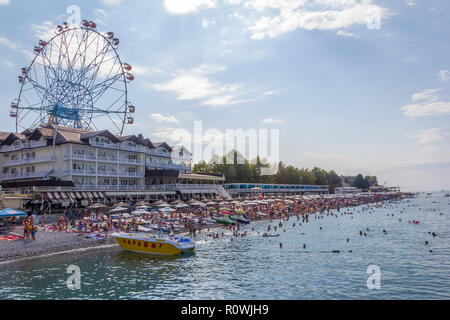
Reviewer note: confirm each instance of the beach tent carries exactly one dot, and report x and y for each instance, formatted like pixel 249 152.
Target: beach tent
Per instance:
pixel 7 213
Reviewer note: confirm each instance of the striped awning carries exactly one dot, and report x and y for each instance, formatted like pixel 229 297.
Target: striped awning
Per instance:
pixel 74 196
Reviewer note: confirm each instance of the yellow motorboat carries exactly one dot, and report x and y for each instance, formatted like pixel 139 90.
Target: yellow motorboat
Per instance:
pixel 152 244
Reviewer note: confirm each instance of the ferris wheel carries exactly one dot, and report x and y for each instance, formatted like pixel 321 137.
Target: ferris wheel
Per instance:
pixel 76 79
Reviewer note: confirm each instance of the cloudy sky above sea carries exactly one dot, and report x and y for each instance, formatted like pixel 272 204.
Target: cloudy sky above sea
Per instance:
pixel 347 91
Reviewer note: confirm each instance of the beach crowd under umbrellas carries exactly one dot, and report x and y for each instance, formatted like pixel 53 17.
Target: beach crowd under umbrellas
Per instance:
pixel 192 216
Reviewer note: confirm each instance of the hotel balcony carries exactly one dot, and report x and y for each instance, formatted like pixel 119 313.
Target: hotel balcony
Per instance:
pixel 82 172
pixel 133 149
pixel 105 145
pixel 23 161
pixel 25 175
pixel 132 161
pixel 84 157
pixel 154 152
pixel 132 174
pixel 109 188
pixel 107 159
pixel 156 165
pixel 32 144
pixel 110 173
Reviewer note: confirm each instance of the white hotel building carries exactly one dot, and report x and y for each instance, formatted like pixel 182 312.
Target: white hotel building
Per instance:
pixel 85 160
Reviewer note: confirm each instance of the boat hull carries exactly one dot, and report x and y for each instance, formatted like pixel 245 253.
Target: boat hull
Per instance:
pixel 154 245
pixel 226 222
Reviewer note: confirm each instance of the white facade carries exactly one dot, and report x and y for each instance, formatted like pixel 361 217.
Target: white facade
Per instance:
pixel 96 163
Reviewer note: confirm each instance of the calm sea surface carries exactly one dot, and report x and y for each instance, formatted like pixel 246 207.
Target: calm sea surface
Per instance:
pixel 254 267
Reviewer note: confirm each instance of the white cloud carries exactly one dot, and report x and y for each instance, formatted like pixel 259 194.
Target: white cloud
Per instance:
pixel 426 95
pixel 346 34
pixel 4 2
pixel 161 118
pixel 45 30
pixel 194 84
pixel 271 92
pixel 110 3
pixel 205 23
pixel 310 15
pixel 8 43
pixel 427 109
pixel 273 121
pixel 187 6
pixel 410 3
pixel 7 63
pixel 427 135
pixel 430 105
pixel 164 134
pixel 100 16
pixel 444 74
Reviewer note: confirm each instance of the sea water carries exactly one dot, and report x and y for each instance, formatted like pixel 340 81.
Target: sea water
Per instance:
pixel 255 267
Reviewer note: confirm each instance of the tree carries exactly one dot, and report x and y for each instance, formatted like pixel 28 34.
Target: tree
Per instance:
pixel 361 183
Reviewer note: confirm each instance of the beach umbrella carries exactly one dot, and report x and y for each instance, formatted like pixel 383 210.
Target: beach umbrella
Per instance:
pixel 159 202
pixel 181 205
pixel 143 203
pixel 163 205
pixel 205 200
pixel 118 209
pixel 121 204
pixel 6 213
pixel 97 206
pixel 139 212
pixel 192 201
pixel 168 210
pixel 198 204
pixel 142 207
pixel 210 203
pixel 177 202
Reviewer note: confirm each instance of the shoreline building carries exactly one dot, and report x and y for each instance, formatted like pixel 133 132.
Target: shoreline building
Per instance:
pixel 58 167
pixel 87 160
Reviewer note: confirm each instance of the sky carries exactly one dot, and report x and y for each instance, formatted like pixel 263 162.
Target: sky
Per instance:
pixel 355 86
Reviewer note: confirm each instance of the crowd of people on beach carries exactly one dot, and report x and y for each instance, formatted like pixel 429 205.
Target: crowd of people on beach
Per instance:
pixel 192 219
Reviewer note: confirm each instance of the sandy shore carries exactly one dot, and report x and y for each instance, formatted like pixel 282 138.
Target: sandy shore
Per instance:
pixel 47 242
pixel 55 242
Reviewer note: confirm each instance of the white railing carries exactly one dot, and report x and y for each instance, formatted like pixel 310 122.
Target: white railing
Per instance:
pixel 167 166
pixel 132 174
pixel 24 175
pixel 82 172
pixel 133 149
pixel 12 148
pixel 107 173
pixel 107 159
pixel 86 157
pixel 105 145
pixel 37 144
pixel 132 161
pixel 27 160
pixel 31 144
pixel 154 152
